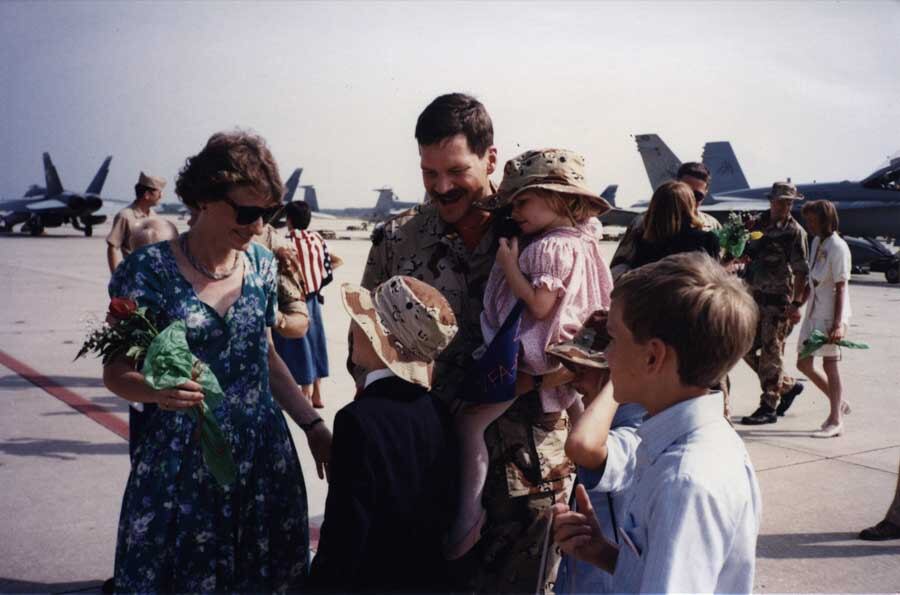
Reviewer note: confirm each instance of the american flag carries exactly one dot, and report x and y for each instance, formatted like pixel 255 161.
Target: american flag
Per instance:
pixel 315 262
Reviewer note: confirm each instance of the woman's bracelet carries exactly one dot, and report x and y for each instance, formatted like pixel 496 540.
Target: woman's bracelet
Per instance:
pixel 310 425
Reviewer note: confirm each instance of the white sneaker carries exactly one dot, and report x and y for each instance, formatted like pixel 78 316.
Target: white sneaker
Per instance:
pixel 829 431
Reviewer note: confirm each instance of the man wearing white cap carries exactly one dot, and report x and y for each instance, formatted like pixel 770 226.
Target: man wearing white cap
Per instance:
pixel 119 242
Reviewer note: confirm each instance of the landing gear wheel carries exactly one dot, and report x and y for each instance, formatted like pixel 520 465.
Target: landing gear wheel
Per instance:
pixel 35 229
pixel 88 231
pixel 893 274
pixel 4 227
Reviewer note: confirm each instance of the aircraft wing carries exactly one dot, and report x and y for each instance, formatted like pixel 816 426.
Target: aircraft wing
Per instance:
pixel 746 205
pixel 47 204
pixel 118 201
pixel 621 217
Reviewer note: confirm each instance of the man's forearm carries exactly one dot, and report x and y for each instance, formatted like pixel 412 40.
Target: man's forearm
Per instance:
pixel 113 258
pixel 799 288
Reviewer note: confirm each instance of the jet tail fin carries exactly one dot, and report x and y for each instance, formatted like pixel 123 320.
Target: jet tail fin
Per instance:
pixel 385 201
pixel 290 187
pixel 310 198
pixel 96 185
pixel 726 172
pixel 659 161
pixel 54 186
pixel 609 194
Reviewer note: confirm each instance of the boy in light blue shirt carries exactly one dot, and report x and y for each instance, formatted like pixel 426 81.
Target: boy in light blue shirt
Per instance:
pixel 692 504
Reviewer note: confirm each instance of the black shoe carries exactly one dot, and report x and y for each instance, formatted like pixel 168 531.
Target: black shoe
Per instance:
pixel 787 399
pixel 763 415
pixel 109 586
pixel 881 532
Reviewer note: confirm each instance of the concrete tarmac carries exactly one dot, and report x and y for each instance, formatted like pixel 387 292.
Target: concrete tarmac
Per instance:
pixel 63 469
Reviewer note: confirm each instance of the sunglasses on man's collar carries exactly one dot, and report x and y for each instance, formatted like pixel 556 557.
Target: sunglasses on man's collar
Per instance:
pixel 248 215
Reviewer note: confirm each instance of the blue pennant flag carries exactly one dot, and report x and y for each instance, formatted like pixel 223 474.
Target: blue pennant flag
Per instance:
pixel 494 372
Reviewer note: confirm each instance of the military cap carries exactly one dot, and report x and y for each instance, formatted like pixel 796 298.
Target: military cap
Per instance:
pixel 588 346
pixel 408 322
pixel 153 182
pixel 785 191
pixel 551 169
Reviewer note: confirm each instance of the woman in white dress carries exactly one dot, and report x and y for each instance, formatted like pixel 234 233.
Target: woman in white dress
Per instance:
pixel 828 308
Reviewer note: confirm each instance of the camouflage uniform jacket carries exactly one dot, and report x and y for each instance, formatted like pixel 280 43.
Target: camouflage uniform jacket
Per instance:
pixel 625 251
pixel 775 258
pixel 418 243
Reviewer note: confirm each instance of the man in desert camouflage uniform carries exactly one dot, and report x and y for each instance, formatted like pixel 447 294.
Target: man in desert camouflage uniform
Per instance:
pixel 450 243
pixel 697 176
pixel 777 274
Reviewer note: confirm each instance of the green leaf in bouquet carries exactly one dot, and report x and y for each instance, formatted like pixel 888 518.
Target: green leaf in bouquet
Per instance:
pixel 817 339
pixel 170 363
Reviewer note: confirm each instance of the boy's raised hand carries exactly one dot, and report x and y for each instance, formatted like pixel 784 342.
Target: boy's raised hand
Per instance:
pixel 578 534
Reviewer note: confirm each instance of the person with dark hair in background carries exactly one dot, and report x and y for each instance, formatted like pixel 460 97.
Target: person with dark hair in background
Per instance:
pixel 179 529
pixel 307 356
pixel 450 243
pixel 697 177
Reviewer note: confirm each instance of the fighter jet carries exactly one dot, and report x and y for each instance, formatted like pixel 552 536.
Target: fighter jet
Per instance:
pixel 867 208
pixel 52 206
pixel 386 205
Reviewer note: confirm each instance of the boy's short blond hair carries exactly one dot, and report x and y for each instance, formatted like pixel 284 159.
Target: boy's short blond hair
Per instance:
pixel 690 303
pixel 153 230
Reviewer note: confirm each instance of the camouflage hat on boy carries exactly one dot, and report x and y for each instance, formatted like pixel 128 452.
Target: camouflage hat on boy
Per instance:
pixel 588 346
pixel 551 169
pixel 408 322
pixel 784 190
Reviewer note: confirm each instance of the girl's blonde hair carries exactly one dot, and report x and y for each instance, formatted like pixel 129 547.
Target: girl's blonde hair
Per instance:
pixel 672 206
pixel 577 208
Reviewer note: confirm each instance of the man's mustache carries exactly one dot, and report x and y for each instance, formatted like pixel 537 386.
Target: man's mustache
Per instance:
pixel 449 197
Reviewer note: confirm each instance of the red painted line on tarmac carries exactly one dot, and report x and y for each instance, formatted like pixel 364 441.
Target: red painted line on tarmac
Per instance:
pixel 101 415
pixel 97 413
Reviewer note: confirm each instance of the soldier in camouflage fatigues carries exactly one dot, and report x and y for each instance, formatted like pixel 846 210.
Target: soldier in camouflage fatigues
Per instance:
pixel 777 274
pixel 528 470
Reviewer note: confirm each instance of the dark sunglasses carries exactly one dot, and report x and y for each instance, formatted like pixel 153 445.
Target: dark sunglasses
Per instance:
pixel 249 215
pixel 699 196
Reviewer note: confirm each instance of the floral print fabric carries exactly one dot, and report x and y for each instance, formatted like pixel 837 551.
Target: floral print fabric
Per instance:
pixel 179 529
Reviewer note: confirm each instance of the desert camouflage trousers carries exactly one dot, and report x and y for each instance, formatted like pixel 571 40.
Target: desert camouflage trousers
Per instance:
pixel 766 357
pixel 528 473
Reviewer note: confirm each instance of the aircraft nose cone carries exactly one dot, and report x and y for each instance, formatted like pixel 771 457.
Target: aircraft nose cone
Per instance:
pixel 93 203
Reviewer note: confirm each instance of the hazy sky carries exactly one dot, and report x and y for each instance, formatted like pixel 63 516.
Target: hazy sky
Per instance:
pixel 809 90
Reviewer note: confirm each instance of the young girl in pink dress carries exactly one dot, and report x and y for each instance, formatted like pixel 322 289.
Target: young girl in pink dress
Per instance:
pixel 560 276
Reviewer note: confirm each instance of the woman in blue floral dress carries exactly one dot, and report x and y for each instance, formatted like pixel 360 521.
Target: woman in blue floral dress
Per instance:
pixel 180 530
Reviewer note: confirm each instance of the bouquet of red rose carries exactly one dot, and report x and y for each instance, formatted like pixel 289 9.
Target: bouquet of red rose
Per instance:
pixel 166 362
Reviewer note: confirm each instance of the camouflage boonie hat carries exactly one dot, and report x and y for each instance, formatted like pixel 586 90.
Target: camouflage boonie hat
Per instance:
pixel 588 346
pixel 784 190
pixel 154 182
pixel 408 322
pixel 552 169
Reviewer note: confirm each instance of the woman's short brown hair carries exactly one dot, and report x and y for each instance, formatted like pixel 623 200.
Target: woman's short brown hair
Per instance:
pixel 577 208
pixel 672 206
pixel 691 304
pixel 826 213
pixel 229 159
